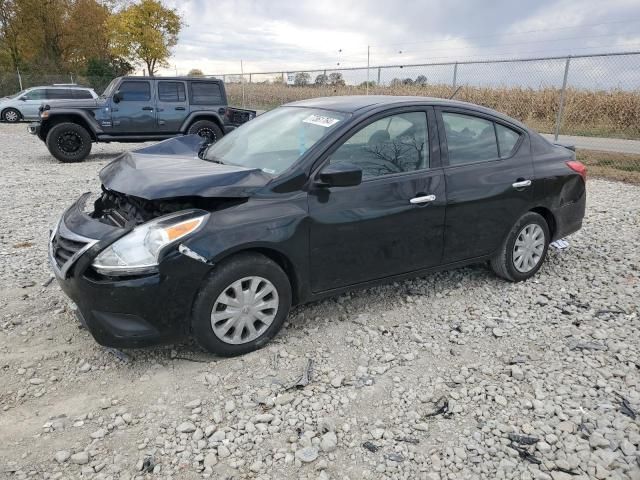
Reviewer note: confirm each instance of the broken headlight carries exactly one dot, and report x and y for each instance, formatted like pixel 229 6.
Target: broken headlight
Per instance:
pixel 139 250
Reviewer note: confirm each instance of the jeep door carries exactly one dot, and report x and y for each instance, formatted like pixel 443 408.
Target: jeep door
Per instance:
pixel 172 105
pixel 134 113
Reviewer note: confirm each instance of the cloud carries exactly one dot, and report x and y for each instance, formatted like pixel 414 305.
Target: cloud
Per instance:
pixel 311 34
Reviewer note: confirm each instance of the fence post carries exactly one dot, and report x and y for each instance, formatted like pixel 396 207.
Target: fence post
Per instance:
pixel 379 75
pixel 455 75
pixel 19 79
pixel 249 78
pixel 562 94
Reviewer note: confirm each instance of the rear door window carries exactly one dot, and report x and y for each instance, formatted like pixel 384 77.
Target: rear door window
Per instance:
pixel 171 92
pixel 206 93
pixel 134 91
pixel 82 94
pixel 469 139
pixel 59 93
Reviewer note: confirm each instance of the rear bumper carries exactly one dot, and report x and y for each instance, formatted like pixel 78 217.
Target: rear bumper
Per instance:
pixel 569 217
pixel 126 312
pixel 34 128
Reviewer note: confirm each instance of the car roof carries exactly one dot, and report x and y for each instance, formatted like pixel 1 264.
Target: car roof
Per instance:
pixel 208 79
pixel 361 103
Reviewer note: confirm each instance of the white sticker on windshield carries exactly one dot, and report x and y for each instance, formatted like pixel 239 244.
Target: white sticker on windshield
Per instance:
pixel 321 120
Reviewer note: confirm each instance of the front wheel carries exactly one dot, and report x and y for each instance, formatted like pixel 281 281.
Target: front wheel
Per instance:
pixel 241 306
pixel 69 142
pixel 206 129
pixel 11 115
pixel 524 249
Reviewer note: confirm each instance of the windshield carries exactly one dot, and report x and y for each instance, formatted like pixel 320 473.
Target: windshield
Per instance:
pixel 275 140
pixel 110 87
pixel 16 95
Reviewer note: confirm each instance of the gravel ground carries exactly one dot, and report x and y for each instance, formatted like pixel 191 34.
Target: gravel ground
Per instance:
pixel 455 375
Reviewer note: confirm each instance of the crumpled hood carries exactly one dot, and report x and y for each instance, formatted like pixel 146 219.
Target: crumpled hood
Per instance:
pixel 172 169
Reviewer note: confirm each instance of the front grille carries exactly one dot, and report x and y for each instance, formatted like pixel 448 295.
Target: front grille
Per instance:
pixel 64 249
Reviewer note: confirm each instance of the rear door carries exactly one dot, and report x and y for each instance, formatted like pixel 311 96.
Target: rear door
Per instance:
pixel 488 171
pixel 135 112
pixel 171 105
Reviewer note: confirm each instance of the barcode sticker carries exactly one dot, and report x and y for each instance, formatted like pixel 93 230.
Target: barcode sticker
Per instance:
pixel 321 120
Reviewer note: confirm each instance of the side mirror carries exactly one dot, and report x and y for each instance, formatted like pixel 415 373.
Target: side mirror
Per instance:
pixel 24 99
pixel 203 147
pixel 116 97
pixel 340 175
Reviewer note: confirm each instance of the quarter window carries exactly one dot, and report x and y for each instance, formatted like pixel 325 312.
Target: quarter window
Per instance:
pixel 507 140
pixel 171 92
pixel 394 144
pixel 134 91
pixel 469 139
pixel 206 93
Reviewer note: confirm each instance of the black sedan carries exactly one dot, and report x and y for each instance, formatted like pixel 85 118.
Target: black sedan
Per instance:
pixel 306 201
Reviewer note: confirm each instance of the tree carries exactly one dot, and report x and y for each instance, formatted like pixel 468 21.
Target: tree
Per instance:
pixel 370 84
pixel 301 79
pixel 420 80
pixel 407 81
pixel 336 80
pixel 195 72
pixel 9 32
pixel 321 79
pixel 396 82
pixel 144 33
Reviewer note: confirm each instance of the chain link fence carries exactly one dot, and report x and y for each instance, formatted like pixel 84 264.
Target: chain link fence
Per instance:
pixel 590 101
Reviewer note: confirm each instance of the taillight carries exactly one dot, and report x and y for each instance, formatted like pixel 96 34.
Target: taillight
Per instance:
pixel 578 167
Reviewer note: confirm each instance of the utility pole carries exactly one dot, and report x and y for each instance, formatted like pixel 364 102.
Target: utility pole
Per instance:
pixel 19 78
pixel 368 58
pixel 242 81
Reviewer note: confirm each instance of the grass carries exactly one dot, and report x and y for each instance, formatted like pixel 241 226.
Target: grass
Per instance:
pixel 616 166
pixel 602 113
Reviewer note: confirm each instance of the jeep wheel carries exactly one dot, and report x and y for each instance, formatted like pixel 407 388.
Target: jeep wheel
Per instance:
pixel 69 142
pixel 206 129
pixel 11 115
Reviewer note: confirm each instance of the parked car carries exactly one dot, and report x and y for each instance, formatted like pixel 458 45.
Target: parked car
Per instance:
pixel 138 109
pixel 25 105
pixel 308 200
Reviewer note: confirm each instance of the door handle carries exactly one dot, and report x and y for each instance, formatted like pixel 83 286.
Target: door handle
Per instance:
pixel 148 108
pixel 180 108
pixel 422 199
pixel 521 184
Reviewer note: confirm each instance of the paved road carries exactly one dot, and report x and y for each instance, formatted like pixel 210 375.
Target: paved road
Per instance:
pixel 597 143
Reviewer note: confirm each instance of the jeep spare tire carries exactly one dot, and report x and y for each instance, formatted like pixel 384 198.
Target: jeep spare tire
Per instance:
pixel 69 142
pixel 206 129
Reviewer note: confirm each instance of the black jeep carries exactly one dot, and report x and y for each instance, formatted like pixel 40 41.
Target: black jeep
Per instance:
pixel 137 109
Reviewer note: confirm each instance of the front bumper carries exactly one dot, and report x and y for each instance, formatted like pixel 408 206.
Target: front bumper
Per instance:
pixel 123 312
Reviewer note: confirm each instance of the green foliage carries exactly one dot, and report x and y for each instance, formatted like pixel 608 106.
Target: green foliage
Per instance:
pixel 144 33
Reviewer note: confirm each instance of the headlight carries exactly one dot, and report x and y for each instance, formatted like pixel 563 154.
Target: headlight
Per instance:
pixel 138 251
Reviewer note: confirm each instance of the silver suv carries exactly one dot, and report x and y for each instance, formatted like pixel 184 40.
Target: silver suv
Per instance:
pixel 24 105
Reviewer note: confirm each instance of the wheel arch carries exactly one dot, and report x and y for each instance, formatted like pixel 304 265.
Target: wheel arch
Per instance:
pixel 62 118
pixel 548 216
pixel 202 116
pixel 11 108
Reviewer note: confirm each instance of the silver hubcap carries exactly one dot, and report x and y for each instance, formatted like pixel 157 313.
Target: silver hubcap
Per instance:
pixel 11 116
pixel 244 310
pixel 529 247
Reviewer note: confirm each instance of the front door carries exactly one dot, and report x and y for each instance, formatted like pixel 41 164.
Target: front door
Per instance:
pixel 171 105
pixel 392 222
pixel 489 171
pixel 31 101
pixel 135 111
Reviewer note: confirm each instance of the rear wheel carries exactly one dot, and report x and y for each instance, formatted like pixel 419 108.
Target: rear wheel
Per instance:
pixel 242 305
pixel 11 115
pixel 206 129
pixel 524 249
pixel 69 142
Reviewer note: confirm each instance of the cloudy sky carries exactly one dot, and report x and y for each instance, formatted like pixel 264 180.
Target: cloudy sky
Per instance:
pixel 318 34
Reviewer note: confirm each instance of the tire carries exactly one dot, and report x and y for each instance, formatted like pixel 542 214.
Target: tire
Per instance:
pixel 207 129
pixel 529 228
pixel 69 142
pixel 11 115
pixel 219 285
